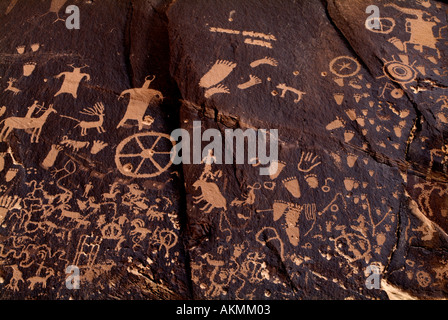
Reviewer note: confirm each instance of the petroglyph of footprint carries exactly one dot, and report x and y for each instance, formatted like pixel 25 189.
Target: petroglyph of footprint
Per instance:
pixel 336 124
pixel 218 72
pixel 350 184
pixel 348 136
pixel 292 185
pixel 279 207
pixel 11 174
pixel 218 89
pixel 276 168
pixel 292 218
pixel 28 68
pixel 312 181
pixel 265 60
pixel 252 82
pixel 351 113
pixel 351 159
pixel 398 129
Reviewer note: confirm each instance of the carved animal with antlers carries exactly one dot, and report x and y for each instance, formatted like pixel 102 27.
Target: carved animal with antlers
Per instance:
pixel 96 110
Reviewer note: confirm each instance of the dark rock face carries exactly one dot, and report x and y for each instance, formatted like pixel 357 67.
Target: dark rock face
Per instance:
pixel 87 179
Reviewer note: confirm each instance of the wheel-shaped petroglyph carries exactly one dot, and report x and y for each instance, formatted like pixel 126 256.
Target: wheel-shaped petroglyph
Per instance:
pixel 345 66
pixel 144 155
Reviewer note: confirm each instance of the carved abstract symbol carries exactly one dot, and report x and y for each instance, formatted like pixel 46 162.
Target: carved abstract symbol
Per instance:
pixel 400 71
pixel 144 155
pixel 345 66
pixel 352 246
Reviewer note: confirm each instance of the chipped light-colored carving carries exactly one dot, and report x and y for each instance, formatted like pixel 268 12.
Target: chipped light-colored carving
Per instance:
pixel 8 203
pixel 252 38
pixel 164 238
pixel 420 29
pixel 16 279
pixel 308 162
pixel 267 235
pixel 26 123
pixel 148 145
pixel 42 280
pixel 75 145
pixel 253 81
pixel 264 61
pixel 284 88
pixel 98 111
pixel 217 73
pixel 139 101
pixel 11 87
pixel 97 146
pixel 28 68
pixel 292 185
pixel 345 66
pixel 210 194
pixel 352 246
pixel 87 251
pixel 292 218
pixel 72 81
pixel 249 198
pixel 50 159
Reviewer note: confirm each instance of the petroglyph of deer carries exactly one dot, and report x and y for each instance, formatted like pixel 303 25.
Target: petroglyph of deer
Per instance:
pixel 96 110
pixel 26 123
pixel 11 87
pixel 140 99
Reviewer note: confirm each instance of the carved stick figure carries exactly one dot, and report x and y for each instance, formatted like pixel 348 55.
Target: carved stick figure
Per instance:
pixel 87 189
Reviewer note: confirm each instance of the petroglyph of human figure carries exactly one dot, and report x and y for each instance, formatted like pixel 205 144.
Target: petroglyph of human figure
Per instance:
pixel 420 29
pixel 71 81
pixel 140 99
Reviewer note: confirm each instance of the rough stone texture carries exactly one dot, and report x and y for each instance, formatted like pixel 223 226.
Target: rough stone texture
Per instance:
pixel 362 157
